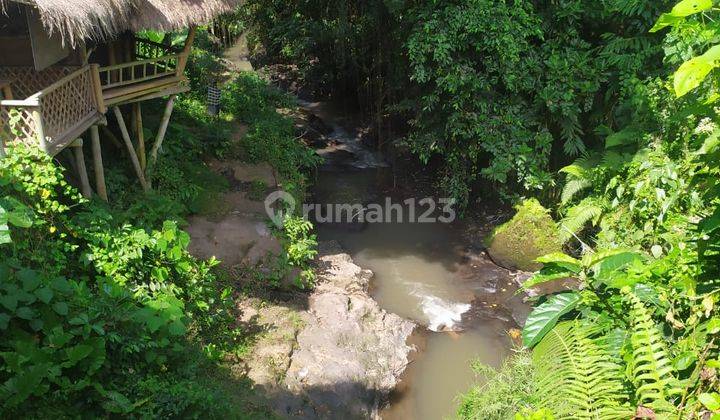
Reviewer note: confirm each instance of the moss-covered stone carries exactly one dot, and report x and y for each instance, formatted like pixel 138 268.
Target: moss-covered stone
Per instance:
pixel 530 234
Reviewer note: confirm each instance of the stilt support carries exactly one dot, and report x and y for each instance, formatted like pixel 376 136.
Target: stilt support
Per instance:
pixel 130 148
pixel 163 128
pixel 98 163
pixel 137 111
pixel 77 147
pixel 110 135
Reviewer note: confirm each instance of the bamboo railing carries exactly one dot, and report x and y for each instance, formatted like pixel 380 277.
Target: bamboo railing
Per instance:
pixel 158 69
pixel 135 72
pixel 55 115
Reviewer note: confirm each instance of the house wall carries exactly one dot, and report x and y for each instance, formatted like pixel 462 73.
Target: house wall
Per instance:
pixel 15 45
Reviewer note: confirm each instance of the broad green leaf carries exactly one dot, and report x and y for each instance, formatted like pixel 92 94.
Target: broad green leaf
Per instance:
pixel 681 10
pixel 711 401
pixel 29 279
pixel 61 285
pixel 5 234
pixel 77 353
pixel 27 381
pixel 563 260
pixel 710 144
pixel 690 7
pixel 710 223
pixel 9 301
pixel 21 217
pixel 574 170
pixel 646 293
pixel 544 317
pixel 25 313
pixel 665 20
pixel 4 320
pixel 177 328
pixel 684 360
pixel 546 276
pixel 603 262
pixel 45 294
pixel 61 308
pixel 713 326
pixel 622 138
pixel 692 72
pixel 154 323
pixel 656 251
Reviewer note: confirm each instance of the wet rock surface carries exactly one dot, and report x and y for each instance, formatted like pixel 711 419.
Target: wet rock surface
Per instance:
pixel 351 353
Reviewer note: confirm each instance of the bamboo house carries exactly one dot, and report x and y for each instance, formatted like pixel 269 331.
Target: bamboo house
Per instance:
pixel 66 64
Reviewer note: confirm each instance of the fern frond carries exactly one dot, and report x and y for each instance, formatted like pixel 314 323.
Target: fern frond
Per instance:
pixel 581 167
pixel 573 187
pixel 578 378
pixel 614 161
pixel 650 365
pixel 588 210
pixel 571 131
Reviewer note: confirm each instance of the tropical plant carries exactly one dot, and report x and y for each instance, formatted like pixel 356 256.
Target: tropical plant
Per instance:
pixel 577 376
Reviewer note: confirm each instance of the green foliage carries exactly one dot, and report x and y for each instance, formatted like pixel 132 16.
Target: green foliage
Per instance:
pixel 504 392
pixel 300 248
pixel 544 317
pixel 88 306
pixel 577 376
pixel 649 364
pixel 578 216
pixel 270 137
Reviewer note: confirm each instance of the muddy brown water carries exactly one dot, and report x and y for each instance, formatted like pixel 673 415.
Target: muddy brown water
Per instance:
pixel 420 273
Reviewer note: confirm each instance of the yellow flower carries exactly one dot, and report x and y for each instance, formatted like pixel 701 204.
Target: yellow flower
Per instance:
pixel 53 229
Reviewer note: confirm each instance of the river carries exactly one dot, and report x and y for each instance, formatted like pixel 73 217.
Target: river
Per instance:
pixel 422 272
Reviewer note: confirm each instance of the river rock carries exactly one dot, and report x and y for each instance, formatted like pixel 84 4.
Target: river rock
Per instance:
pixel 530 234
pixel 319 125
pixel 351 352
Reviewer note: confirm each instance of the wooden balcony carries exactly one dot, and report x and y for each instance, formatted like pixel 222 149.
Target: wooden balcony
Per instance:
pixel 157 72
pixel 55 115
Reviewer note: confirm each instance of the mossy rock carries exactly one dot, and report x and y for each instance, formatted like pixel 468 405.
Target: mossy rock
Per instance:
pixel 530 234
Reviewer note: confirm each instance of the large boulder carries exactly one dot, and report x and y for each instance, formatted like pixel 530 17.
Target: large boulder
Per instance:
pixel 351 353
pixel 530 234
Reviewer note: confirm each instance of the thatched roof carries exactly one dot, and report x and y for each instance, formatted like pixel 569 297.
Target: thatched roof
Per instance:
pixel 80 19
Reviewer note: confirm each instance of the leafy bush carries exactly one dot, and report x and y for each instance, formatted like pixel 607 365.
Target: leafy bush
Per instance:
pixel 270 137
pixel 300 248
pixel 88 307
pixel 505 392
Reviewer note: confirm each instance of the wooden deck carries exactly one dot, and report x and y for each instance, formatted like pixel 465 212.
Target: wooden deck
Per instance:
pixel 54 116
pixel 159 69
pixel 68 101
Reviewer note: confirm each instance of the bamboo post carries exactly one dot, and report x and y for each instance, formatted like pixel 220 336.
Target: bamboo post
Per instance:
pixel 7 91
pixel 97 88
pixel 112 60
pixel 130 148
pixel 77 147
pixel 40 130
pixel 163 128
pixel 182 61
pixel 137 112
pixel 110 135
pixel 98 163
